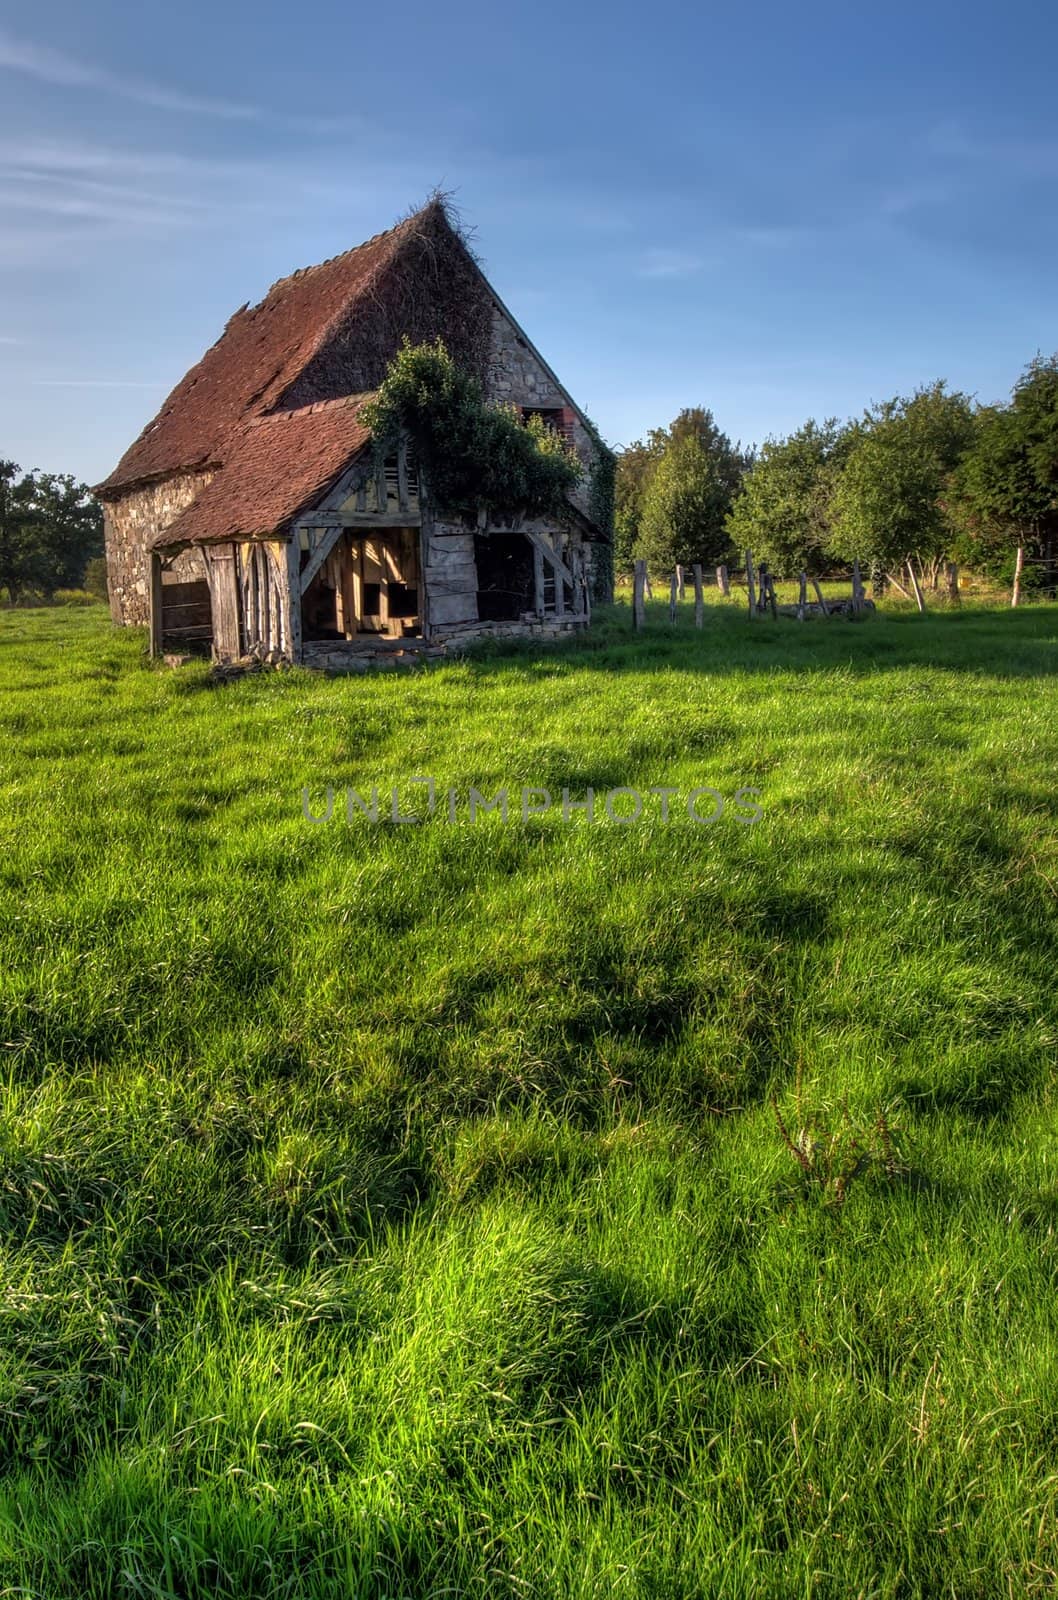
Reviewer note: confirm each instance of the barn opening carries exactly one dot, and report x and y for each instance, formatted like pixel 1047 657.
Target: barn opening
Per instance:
pixel 370 583
pixel 186 616
pixel 506 586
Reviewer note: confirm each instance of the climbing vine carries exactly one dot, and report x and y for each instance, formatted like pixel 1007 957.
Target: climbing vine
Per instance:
pixel 473 455
pixel 601 501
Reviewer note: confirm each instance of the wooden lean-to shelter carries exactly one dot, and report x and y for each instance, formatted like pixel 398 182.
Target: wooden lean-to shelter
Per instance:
pixel 254 515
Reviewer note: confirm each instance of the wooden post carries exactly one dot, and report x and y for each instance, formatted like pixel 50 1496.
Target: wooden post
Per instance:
pixel 674 589
pixel 638 586
pixel 749 584
pixel 699 611
pixel 953 583
pixel 723 582
pixel 647 590
pixel 802 596
pixel 292 569
pixel 155 563
pixel 1018 565
pixel 915 585
pixel 857 587
pixel 679 581
pixel 538 580
pixel 819 596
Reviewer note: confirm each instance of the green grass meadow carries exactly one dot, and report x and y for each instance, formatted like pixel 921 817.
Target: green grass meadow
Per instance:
pixel 533 1208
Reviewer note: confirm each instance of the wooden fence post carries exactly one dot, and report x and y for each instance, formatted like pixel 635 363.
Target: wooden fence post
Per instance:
pixel 679 581
pixel 723 582
pixel 699 613
pixel 915 585
pixel 638 585
pixel 953 583
pixel 819 596
pixel 1018 565
pixel 802 596
pixel 749 584
pixel 674 589
pixel 857 586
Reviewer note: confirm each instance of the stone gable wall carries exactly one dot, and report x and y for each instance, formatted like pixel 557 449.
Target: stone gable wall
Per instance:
pixel 516 376
pixel 129 523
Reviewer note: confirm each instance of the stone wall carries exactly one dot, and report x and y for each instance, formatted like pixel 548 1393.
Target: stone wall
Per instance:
pixel 518 377
pixel 129 523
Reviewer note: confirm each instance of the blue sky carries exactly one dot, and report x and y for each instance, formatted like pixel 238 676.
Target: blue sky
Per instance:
pixel 774 211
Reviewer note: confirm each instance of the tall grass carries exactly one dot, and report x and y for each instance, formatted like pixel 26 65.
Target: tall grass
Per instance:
pixel 417 1210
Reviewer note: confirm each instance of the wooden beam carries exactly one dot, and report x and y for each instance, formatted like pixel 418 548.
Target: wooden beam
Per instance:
pixel 674 589
pixel 402 472
pixel 293 587
pixel 319 556
pixel 538 581
pixel 371 519
pixel 224 596
pixel 699 600
pixel 638 586
pixel 156 601
pixel 541 544
pixel 749 583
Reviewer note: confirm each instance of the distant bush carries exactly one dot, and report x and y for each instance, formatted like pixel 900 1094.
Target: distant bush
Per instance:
pixel 95 578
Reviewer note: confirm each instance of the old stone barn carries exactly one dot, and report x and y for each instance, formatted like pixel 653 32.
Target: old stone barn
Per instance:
pixel 256 515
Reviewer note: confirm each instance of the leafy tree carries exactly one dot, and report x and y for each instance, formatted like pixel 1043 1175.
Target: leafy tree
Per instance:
pixel 888 503
pixel 783 512
pixel 71 530
pixel 19 540
pixel 636 465
pixel 1004 492
pixel 50 528
pixel 690 493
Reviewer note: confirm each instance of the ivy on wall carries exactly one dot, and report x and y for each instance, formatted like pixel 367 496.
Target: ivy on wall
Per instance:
pixel 601 500
pixel 473 455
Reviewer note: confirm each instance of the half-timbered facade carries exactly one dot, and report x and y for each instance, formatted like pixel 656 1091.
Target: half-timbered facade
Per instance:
pixel 254 515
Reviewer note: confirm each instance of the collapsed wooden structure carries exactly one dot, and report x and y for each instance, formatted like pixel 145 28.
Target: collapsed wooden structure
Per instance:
pixel 254 515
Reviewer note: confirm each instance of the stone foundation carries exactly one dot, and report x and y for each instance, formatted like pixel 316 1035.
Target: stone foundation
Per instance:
pixel 362 656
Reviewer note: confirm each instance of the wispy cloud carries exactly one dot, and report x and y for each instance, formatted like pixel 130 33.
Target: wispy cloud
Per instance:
pixel 92 383
pixel 53 66
pixel 658 263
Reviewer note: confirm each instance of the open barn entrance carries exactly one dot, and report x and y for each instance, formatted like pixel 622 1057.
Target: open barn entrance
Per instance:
pixel 369 584
pixel 506 586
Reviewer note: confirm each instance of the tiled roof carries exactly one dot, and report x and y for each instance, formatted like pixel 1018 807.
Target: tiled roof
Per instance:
pixel 261 354
pixel 275 467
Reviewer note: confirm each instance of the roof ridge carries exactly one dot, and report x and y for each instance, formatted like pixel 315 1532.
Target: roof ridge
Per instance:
pixel 341 255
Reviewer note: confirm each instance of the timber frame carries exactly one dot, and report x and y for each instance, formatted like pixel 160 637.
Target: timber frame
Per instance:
pixel 258 588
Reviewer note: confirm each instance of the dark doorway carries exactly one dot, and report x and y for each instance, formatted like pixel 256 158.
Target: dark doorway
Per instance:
pixel 505 576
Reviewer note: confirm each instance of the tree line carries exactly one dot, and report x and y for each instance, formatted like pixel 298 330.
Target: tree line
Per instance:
pixel 916 480
pixel 51 533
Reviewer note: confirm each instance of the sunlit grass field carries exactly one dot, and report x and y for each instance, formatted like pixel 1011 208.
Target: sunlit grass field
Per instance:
pixel 533 1208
